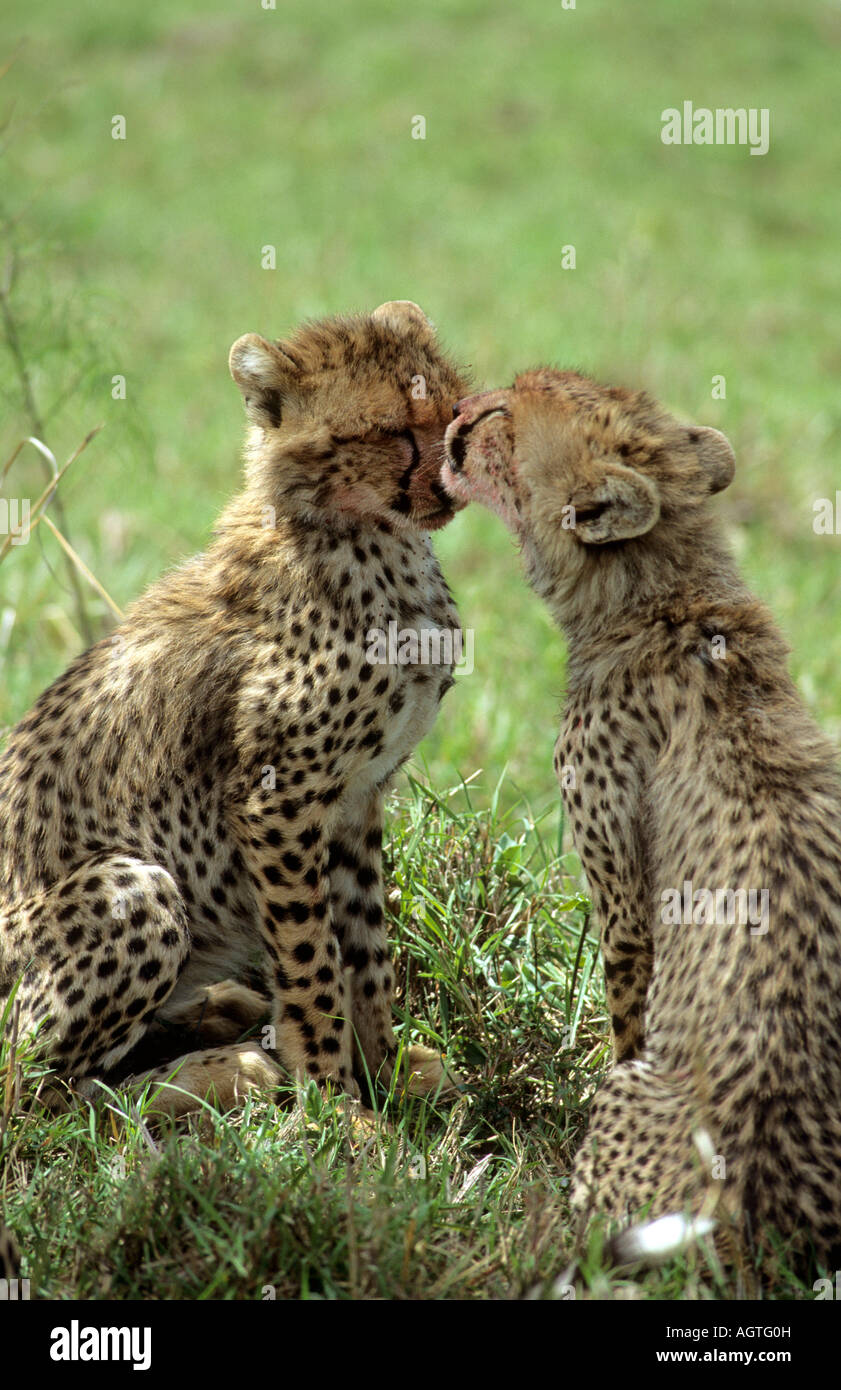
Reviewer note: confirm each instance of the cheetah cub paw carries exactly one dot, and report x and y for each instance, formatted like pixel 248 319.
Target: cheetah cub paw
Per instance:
pixel 223 1076
pixel 425 1073
pixel 220 1013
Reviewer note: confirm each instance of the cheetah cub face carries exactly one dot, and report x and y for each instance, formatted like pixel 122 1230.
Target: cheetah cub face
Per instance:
pixel 572 468
pixel 348 418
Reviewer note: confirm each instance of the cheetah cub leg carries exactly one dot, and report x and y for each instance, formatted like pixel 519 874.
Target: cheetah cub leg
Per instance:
pixel 99 952
pixel 606 829
pixel 356 892
pixel 287 861
pixel 627 957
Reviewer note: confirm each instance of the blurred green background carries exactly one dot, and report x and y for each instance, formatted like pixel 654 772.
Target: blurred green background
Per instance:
pixel 292 127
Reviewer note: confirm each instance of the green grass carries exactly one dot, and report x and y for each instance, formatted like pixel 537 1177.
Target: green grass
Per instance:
pixel 142 258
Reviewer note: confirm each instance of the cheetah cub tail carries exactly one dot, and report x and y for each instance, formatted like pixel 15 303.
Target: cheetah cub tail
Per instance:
pixel 655 1242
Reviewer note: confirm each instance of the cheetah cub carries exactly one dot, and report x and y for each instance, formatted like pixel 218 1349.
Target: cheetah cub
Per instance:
pixel 196 805
pixel 705 806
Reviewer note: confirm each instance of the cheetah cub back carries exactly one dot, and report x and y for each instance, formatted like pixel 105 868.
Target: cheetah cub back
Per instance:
pixel 705 806
pixel 191 816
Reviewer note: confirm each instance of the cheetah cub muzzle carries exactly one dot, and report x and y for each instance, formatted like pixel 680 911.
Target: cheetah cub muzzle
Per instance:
pixel 191 816
pixel 706 809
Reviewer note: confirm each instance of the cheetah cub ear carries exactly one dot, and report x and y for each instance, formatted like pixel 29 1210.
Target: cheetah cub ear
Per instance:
pixel 617 504
pixel 265 374
pixel 406 317
pixel 717 460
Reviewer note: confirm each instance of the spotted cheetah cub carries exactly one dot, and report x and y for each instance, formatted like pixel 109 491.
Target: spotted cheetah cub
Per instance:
pixel 197 803
pixel 705 806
